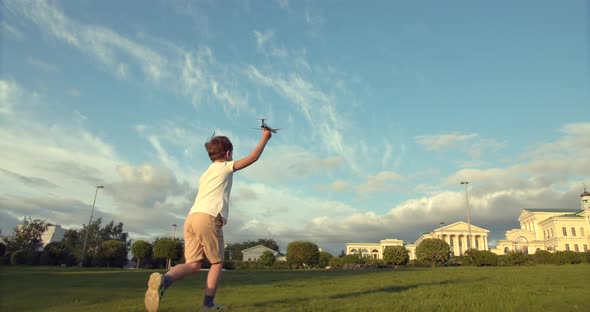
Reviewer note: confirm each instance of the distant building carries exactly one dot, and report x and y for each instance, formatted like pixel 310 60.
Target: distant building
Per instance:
pixel 373 250
pixel 254 253
pixel 454 234
pixel 550 229
pixel 54 233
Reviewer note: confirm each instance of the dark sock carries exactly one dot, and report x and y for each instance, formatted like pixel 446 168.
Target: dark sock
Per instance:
pixel 208 301
pixel 167 281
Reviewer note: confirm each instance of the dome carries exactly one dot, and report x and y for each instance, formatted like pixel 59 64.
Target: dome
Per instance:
pixel 586 193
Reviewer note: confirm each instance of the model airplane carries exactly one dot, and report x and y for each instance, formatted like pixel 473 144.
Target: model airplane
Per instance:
pixel 266 126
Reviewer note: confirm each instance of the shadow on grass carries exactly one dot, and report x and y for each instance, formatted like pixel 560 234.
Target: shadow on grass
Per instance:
pixel 390 289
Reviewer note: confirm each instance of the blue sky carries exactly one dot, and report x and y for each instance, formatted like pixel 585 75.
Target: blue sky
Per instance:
pixel 385 108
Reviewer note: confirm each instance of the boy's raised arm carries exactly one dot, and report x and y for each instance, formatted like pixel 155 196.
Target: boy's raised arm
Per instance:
pixel 255 154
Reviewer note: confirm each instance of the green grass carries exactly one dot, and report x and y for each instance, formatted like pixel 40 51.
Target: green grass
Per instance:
pixel 534 288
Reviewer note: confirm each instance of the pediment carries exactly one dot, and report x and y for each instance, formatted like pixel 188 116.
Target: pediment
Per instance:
pixel 461 226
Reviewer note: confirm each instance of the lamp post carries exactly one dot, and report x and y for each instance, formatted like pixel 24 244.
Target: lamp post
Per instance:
pixel 468 215
pixel 174 231
pixel 89 221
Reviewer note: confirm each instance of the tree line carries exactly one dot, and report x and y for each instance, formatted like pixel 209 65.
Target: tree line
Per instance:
pixel 108 245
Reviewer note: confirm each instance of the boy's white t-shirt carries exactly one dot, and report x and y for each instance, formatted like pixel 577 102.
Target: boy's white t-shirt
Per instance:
pixel 214 190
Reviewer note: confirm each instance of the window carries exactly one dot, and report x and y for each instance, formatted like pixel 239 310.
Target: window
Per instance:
pixel 506 250
pixel 544 234
pixel 476 244
pixel 567 246
pixel 573 231
pixel 552 233
pixel 576 248
pixel 585 247
pixel 564 230
pixel 582 231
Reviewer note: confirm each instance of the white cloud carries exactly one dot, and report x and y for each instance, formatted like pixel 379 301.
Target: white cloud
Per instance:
pixel 11 31
pixel 262 39
pixel 382 182
pixel 50 171
pixel 10 92
pixel 318 109
pixel 283 163
pixel 283 4
pixel 103 44
pixel 41 65
pixel 443 141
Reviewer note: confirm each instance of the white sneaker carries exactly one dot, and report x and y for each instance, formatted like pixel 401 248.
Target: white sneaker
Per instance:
pixel 154 293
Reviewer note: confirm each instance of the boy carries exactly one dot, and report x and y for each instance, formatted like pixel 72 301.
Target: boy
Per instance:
pixel 203 234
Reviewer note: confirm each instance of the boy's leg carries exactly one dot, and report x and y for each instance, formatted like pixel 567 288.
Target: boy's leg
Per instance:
pixel 181 271
pixel 215 254
pixel 213 279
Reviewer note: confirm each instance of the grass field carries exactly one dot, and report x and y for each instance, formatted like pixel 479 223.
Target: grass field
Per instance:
pixel 534 288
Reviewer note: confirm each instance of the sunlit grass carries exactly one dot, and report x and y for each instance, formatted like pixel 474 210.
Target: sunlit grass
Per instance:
pixel 536 288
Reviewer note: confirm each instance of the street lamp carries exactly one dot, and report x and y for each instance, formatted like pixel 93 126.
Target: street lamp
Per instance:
pixel 89 221
pixel 468 215
pixel 174 231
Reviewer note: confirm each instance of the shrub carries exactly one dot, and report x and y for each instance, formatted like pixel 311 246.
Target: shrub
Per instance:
pixel 543 257
pixel 586 256
pixel 485 258
pixel 568 257
pixel 515 258
pixel 2 249
pixel 20 257
pixel 55 253
pixel 396 255
pixel 267 258
pixel 433 250
pixel 303 254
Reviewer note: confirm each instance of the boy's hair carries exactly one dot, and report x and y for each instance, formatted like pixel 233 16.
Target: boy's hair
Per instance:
pixel 217 147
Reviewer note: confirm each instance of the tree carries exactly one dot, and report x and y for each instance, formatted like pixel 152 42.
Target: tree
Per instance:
pixel 97 234
pixel 433 250
pixel 324 259
pixel 73 243
pixel 396 255
pixel 56 253
pixel 301 254
pixel 141 250
pixel 167 248
pixel 267 258
pixel 2 249
pixel 112 253
pixel 28 235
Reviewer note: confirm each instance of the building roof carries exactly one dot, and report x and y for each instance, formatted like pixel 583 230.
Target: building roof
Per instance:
pixel 585 193
pixel 257 247
pixel 552 210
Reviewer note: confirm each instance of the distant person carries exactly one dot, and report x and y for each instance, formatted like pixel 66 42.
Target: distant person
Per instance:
pixel 203 234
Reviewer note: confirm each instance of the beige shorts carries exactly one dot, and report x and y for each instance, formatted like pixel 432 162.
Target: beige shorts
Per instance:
pixel 203 237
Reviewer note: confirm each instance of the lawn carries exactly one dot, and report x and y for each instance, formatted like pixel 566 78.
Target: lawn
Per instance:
pixel 531 288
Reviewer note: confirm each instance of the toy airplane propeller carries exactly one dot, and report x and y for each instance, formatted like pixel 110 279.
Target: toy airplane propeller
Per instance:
pixel 264 125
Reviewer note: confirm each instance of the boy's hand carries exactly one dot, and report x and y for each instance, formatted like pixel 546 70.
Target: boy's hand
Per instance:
pixel 266 134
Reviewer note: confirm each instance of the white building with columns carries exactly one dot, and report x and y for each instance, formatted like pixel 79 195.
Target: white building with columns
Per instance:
pixel 455 235
pixel 550 229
